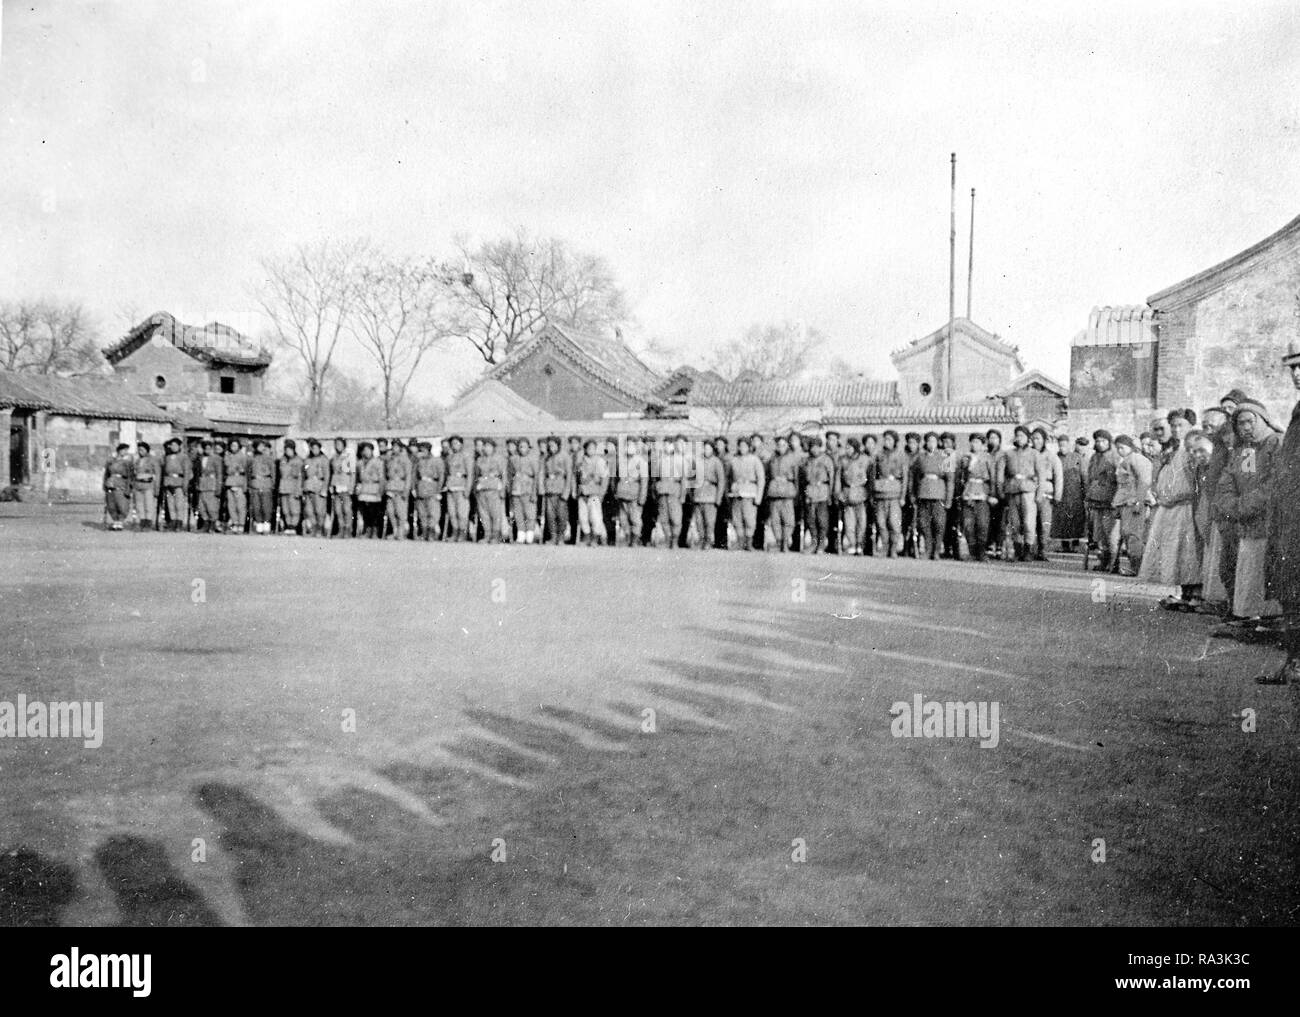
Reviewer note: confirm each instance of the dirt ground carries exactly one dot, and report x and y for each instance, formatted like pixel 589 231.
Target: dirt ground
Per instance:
pixel 303 732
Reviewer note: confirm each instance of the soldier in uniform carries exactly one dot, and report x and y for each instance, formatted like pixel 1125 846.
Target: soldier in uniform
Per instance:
pixel 609 504
pixel 176 483
pixel 593 480
pixel 932 492
pixel 870 447
pixel 720 535
pixel 397 491
pixel 289 480
pixel 890 479
pixel 952 531
pixel 370 491
pixel 745 482
pixel 146 482
pixel 557 485
pixel 708 484
pixel 1019 482
pixel 1068 519
pixel 975 475
pixel 912 452
pixel 315 489
pixel 631 491
pixel 429 475
pixel 209 482
pixel 261 486
pixel 998 506
pixel 818 478
pixel 855 471
pixel 236 479
pixel 489 489
pixel 1132 485
pixel 343 483
pixel 455 489
pixel 118 474
pixel 669 487
pixel 759 447
pixel 834 508
pixel 525 484
pixel 575 459
pixel 1051 484
pixel 781 491
pixel 799 450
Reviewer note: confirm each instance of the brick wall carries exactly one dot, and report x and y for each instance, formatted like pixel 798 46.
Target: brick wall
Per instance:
pixel 565 391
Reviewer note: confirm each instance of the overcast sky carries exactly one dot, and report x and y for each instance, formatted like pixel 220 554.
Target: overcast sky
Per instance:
pixel 735 162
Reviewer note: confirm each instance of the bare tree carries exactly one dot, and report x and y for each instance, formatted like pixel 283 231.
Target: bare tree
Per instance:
pixel 773 352
pixel 400 314
pixel 504 289
pixel 48 337
pixel 309 296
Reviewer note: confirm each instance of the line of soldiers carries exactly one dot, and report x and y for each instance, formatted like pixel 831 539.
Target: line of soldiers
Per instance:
pixel 914 495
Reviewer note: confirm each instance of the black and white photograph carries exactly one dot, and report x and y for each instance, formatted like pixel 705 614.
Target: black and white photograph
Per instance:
pixel 783 463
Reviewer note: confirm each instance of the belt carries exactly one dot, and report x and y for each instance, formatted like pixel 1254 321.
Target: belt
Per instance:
pixel 175 474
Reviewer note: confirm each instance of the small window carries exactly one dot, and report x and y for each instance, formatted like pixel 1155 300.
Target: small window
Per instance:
pixel 548 370
pixel 227 385
pixel 160 382
pixel 925 388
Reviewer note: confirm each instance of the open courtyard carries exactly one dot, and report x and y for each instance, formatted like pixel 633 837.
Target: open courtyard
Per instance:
pixel 298 731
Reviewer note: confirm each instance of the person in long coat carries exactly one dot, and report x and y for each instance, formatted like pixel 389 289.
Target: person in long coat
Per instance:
pixel 1173 554
pixel 1282 562
pixel 1070 514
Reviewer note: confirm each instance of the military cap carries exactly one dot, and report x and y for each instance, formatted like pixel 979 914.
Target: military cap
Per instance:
pixel 1083 441
pixel 489 441
pixel 172 441
pixel 1257 408
pixel 912 434
pixel 366 444
pixel 948 436
pixel 932 434
pixel 1042 431
pixel 123 445
pixel 234 442
pixel 290 443
pixel 523 441
pixel 1101 433
pixel 1020 429
pixel 855 444
pixel 978 434
pixel 206 441
pixel 144 445
pixel 889 432
pixel 424 444
pixel 742 440
pixel 313 441
pixel 339 437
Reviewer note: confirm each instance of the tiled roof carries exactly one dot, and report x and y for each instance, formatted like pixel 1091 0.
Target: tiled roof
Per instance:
pixel 211 343
pixel 1277 245
pixel 606 357
pixel 963 326
pixel 795 393
pixel 222 408
pixel 79 397
pixel 991 412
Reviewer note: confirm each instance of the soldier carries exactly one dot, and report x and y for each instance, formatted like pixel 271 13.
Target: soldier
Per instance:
pixel 870 448
pixel 998 504
pixel 708 484
pixel 489 489
pixel 800 453
pixel 343 483
pixel 780 491
pixel 890 482
pixel 1069 517
pixel 1051 484
pixel 1019 483
pixel 759 447
pixel 1100 496
pixel 557 485
pixel 261 486
pixel 370 491
pixel 975 474
pixel 575 459
pixel 455 488
pixel 209 481
pixel 593 480
pixel 952 531
pixel 609 506
pixel 289 482
pixel 146 481
pixel 855 471
pixel 397 491
pixel 912 452
pixel 315 489
pixel 932 492
pixel 236 479
pixel 834 508
pixel 818 478
pixel 745 483
pixel 525 484
pixel 176 483
pixel 720 536
pixel 429 475
pixel 670 485
pixel 118 474
pixel 631 490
